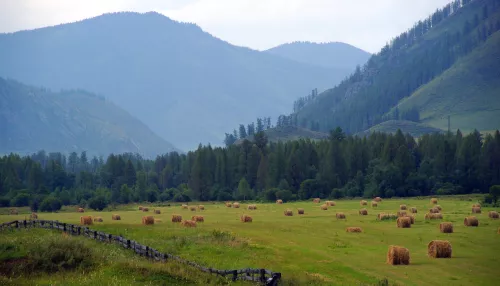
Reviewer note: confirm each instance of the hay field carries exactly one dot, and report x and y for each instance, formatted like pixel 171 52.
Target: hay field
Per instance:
pixel 315 248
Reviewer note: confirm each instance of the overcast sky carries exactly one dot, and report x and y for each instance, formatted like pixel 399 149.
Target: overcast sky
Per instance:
pixel 258 24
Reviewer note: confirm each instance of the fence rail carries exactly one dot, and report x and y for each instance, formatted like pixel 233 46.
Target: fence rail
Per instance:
pixel 263 276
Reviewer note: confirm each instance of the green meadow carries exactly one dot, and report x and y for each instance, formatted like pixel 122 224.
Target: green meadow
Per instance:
pixel 309 249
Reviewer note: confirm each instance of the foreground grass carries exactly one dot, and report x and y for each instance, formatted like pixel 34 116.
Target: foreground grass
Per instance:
pixel 313 249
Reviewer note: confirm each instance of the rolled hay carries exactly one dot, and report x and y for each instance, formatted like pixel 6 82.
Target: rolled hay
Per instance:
pixel 402 207
pixel 316 200
pixel 86 220
pixel 80 210
pixel 228 204
pixel 476 210
pixel 201 207
pixel 236 205
pixel 192 208
pixel 398 255
pixel 246 218
pixel 184 207
pixel 98 219
pixel 412 218
pixel 330 203
pixel 279 202
pixel 438 207
pixel 433 216
pixel 288 212
pixel 404 222
pixel 363 212
pixel 157 220
pixel 145 209
pixel 188 223
pixel 363 203
pixel 340 215
pixel 434 210
pixel 147 220
pixel 300 211
pixel 374 204
pixel 252 207
pixel 377 199
pixel 176 218
pixel 401 213
pixel 13 211
pixel 413 210
pixel 324 207
pixel 434 201
pixel 476 205
pixel 34 216
pixel 157 211
pixel 493 214
pixel 439 249
pixel 353 229
pixel 116 217
pixel 446 227
pixel 198 218
pixel 140 208
pixel 471 221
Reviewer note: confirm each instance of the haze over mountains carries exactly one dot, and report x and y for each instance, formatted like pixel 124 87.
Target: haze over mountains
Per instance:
pixel 186 85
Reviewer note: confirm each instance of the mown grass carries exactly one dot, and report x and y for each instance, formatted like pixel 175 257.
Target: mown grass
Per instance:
pixel 314 249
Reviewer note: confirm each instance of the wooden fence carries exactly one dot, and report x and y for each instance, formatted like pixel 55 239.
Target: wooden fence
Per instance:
pixel 263 276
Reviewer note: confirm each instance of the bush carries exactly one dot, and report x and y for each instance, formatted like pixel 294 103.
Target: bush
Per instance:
pixel 224 196
pixel 270 194
pixel 337 194
pixel 98 203
pixel 50 204
pixel 21 200
pixel 181 198
pixel 4 202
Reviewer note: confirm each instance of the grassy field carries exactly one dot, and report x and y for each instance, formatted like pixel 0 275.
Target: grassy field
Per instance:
pixel 413 128
pixel 314 248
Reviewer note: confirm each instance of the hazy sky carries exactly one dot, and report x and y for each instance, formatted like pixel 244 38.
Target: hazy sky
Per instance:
pixel 258 24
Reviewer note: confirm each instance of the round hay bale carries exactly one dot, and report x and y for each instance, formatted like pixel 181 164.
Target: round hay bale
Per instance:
pixel 188 223
pixel 340 215
pixel 324 207
pixel 402 207
pixel 157 211
pixel 476 210
pixel 493 214
pixel 246 218
pixel 236 205
pixel 279 202
pixel 413 210
pixel 401 213
pixel 300 211
pixel 229 204
pixel 377 199
pixel 477 205
pixel 330 203
pixel 147 220
pixel 86 220
pixel 184 207
pixel 316 200
pixel 176 218
pixel 434 210
pixel 438 207
pixel 433 216
pixel 434 201
pixel 446 227
pixel 439 249
pixel 198 218
pixel 13 211
pixel 116 217
pixel 353 229
pixel 201 207
pixel 80 210
pixel 404 222
pixel 398 255
pixel 471 221
pixel 98 219
pixel 145 209
pixel 192 208
pixel 363 203
pixel 140 208
pixel 34 216
pixel 412 218
pixel 363 212
pixel 288 212
pixel 252 207
pixel 374 204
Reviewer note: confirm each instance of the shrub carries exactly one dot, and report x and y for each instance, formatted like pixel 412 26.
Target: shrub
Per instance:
pixel 284 195
pixel 4 202
pixel 98 203
pixel 21 200
pixel 180 197
pixel 270 194
pixel 50 204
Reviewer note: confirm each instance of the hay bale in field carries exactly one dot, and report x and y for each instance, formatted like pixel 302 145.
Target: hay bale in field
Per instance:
pixel 192 208
pixel 471 221
pixel 184 207
pixel 201 207
pixel 401 213
pixel 80 210
pixel 324 207
pixel 412 218
pixel 434 210
pixel 377 199
pixel 374 204
pixel 353 229
pixel 34 216
pixel 147 220
pixel 198 218
pixel 398 255
pixel 288 212
pixel 140 208
pixel 279 202
pixel 157 220
pixel 493 214
pixel 98 219
pixel 438 207
pixel 229 204
pixel 476 205
pixel 86 220
pixel 439 249
pixel 446 227
pixel 188 223
pixel 13 211
pixel 236 205
pixel 300 211
pixel 476 210
pixel 434 201
pixel 176 218
pixel 402 207
pixel 145 209
pixel 404 222
pixel 157 211
pixel 433 216
pixel 363 212
pixel 413 210
pixel 340 215
pixel 330 203
pixel 316 200
pixel 363 203
pixel 246 218
pixel 116 217
pixel 252 207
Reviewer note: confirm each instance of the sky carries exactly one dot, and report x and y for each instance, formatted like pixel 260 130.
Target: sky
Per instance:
pixel 257 24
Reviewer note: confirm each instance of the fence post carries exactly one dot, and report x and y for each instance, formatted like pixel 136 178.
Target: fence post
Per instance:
pixel 263 275
pixel 235 275
pixel 128 243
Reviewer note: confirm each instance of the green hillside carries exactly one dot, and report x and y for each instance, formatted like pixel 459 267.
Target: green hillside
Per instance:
pixel 413 128
pixel 469 92
pixel 34 119
pixel 290 133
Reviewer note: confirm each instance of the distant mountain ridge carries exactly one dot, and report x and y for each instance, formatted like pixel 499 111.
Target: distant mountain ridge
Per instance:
pixel 34 119
pixel 186 85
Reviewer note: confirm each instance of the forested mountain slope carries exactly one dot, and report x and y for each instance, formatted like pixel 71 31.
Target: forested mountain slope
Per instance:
pixel 411 61
pixel 33 119
pixel 186 85
pixel 392 126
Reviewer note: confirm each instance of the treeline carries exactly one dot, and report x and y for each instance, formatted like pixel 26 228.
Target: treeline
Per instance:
pixel 248 131
pixel 343 166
